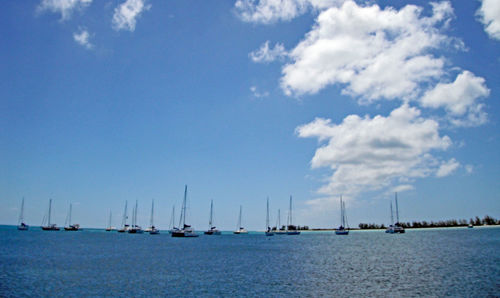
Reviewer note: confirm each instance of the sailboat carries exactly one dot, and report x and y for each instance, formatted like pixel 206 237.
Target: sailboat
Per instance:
pixel 343 219
pixel 152 229
pixel 279 230
pixel 172 226
pixel 21 226
pixel 268 228
pixel 110 228
pixel 290 228
pixel 239 228
pixel 135 228
pixel 395 228
pixel 212 230
pixel 50 226
pixel 69 226
pixel 186 230
pixel 125 226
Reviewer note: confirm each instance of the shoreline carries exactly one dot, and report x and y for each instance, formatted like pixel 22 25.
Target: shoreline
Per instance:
pixel 316 230
pixel 421 228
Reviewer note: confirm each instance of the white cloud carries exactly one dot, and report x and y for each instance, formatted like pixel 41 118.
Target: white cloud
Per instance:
pixel 64 7
pixel 402 188
pixel 126 14
pixel 469 169
pixel 258 94
pixel 82 37
pixel 266 54
pixel 270 11
pixel 460 99
pixel 372 153
pixel 375 53
pixel 489 15
pixel 446 168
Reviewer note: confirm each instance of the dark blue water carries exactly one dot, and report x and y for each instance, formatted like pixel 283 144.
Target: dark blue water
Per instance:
pixel 441 262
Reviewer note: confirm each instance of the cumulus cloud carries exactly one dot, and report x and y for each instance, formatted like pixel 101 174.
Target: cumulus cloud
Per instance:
pixel 126 14
pixel 446 168
pixel 270 11
pixel 372 153
pixel 64 7
pixel 82 37
pixel 376 53
pixel 265 54
pixel 258 94
pixel 489 15
pixel 460 99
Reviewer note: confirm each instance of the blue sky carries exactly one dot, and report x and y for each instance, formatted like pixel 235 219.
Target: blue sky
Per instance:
pixel 107 101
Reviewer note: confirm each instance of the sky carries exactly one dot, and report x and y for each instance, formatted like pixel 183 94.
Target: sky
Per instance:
pixel 103 102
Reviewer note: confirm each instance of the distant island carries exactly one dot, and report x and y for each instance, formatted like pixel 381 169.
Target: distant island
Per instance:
pixel 487 220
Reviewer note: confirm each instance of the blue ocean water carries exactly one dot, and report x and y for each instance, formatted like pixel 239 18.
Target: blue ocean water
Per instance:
pixel 432 262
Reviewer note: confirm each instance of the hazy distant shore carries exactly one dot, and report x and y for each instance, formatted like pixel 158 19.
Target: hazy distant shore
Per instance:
pixel 383 229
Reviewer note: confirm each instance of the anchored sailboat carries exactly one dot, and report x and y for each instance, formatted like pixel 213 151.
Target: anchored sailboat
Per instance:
pixel 135 228
pixel 125 226
pixel 343 220
pixel 152 229
pixel 186 230
pixel 268 228
pixel 67 225
pixel 50 226
pixel 21 226
pixel 172 226
pixel 212 230
pixel 239 228
pixel 279 229
pixel 290 228
pixel 395 228
pixel 110 228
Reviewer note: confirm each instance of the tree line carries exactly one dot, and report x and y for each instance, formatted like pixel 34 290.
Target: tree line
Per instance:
pixel 487 220
pixel 290 227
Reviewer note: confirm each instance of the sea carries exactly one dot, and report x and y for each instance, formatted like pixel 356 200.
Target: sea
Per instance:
pixel 422 262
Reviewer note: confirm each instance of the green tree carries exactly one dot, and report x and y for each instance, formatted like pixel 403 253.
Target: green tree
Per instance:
pixel 477 222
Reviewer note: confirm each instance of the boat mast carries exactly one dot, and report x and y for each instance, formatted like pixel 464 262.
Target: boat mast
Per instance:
pixel 172 221
pixel 239 220
pixel 344 217
pixel 397 209
pixel 69 217
pixel 109 224
pixel 124 219
pixel 211 214
pixel 267 214
pixel 152 208
pixel 21 216
pixel 290 214
pixel 341 215
pixel 50 209
pixel 185 203
pixel 183 211
pixel 135 214
pixel 392 218
pixel 342 220
pixel 279 220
